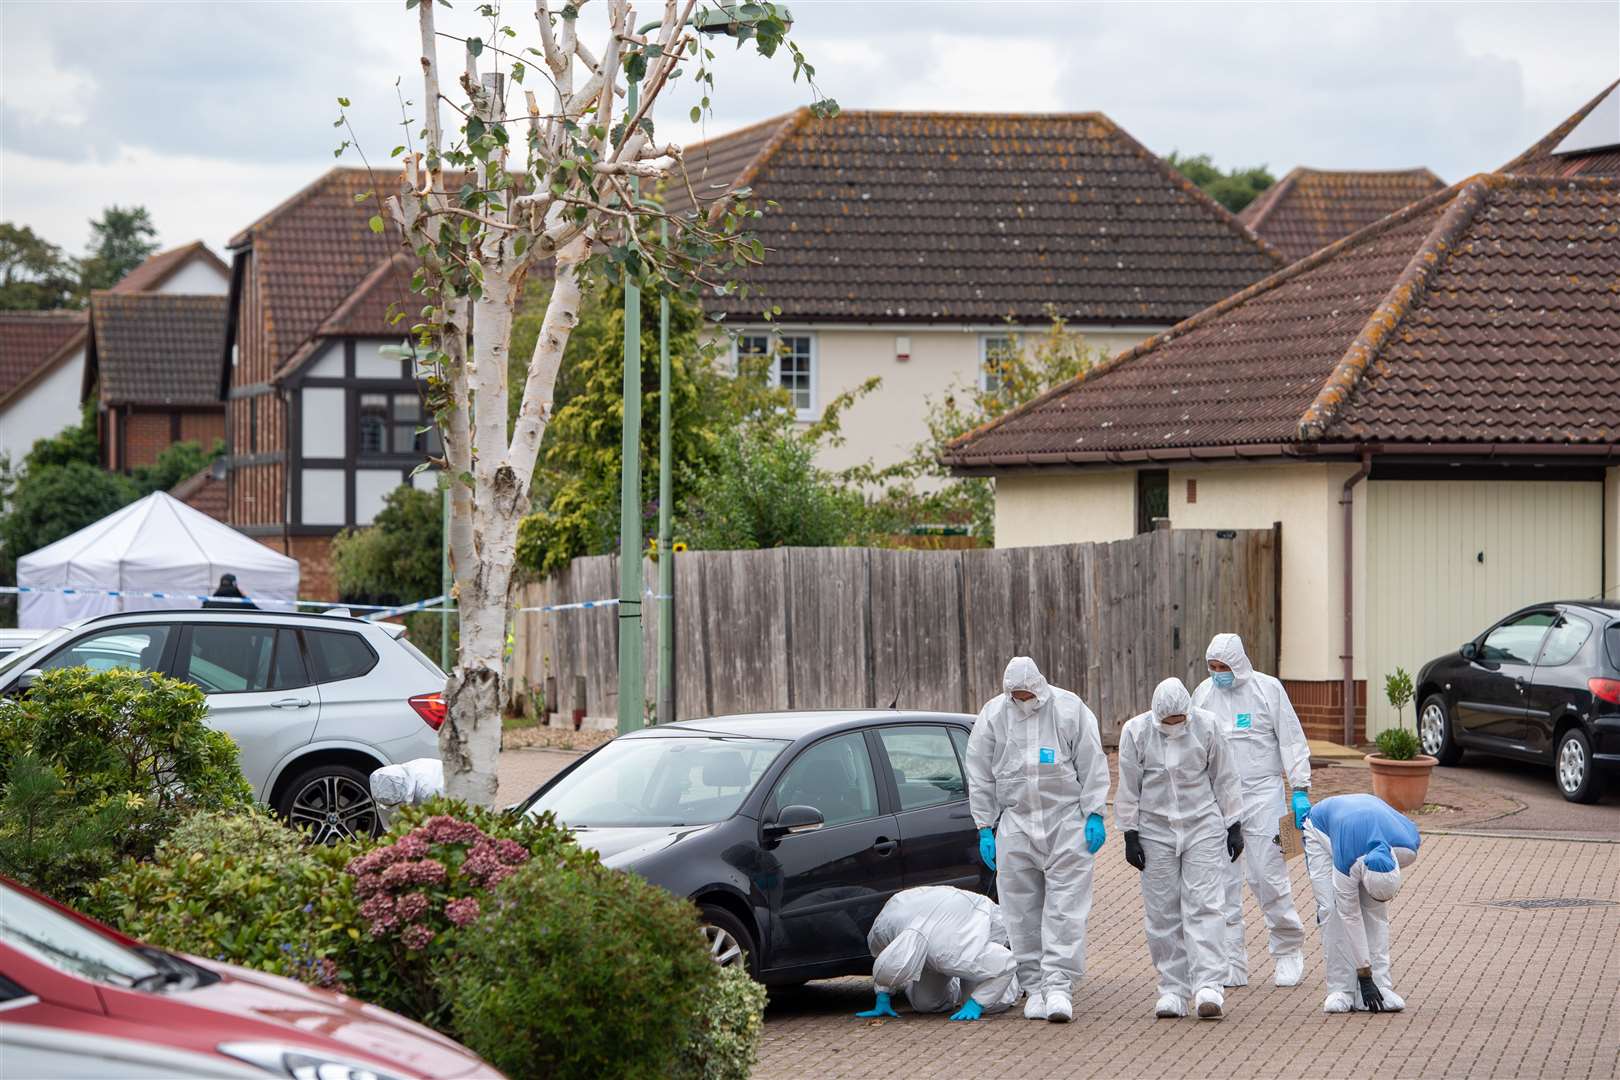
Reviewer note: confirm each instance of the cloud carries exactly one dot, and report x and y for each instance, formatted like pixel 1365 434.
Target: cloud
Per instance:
pixel 210 114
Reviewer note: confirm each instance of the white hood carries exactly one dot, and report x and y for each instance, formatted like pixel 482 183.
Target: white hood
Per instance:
pixel 1170 698
pixel 1228 649
pixel 1022 674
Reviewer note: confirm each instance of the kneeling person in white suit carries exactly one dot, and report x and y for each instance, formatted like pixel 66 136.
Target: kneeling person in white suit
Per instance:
pixel 1355 847
pixel 946 949
pixel 1181 811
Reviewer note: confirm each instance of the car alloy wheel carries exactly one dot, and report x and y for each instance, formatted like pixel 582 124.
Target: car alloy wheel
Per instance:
pixel 1432 729
pixel 724 950
pixel 1571 765
pixel 331 807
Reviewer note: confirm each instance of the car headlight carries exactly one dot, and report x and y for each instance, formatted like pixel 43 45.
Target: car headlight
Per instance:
pixel 301 1064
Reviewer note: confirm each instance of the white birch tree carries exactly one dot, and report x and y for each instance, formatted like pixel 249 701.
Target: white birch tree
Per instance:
pixel 479 224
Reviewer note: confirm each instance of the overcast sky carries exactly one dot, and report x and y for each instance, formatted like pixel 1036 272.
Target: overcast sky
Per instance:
pixel 212 113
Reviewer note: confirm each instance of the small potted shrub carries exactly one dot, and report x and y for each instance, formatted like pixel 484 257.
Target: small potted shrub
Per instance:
pixel 1400 775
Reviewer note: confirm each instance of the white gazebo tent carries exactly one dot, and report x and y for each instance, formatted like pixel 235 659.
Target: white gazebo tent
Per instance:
pixel 158 544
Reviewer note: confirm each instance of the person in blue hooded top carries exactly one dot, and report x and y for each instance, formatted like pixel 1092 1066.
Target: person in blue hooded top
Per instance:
pixel 1355 849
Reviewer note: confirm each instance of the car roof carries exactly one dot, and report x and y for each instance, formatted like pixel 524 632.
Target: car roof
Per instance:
pixel 316 618
pixel 796 724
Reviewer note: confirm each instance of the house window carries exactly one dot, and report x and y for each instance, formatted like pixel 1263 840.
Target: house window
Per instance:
pixel 996 353
pixel 793 365
pixel 387 423
pixel 1152 498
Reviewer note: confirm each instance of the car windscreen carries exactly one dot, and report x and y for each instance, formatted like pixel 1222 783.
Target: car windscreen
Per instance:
pixel 38 647
pixel 660 781
pixel 63 942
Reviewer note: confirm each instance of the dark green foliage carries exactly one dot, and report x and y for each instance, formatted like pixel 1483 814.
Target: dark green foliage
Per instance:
pixel 579 971
pixel 34 273
pixel 1398 744
pixel 119 242
pixel 731 1014
pixel 763 490
pixel 398 558
pixel 1232 188
pixel 48 840
pixel 239 887
pixel 179 461
pixel 53 501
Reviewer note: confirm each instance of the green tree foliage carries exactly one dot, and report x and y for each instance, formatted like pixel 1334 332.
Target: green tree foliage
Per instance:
pixel 53 501
pixel 177 462
pixel 119 242
pixel 1232 188
pixel 34 273
pixel 397 559
pixel 48 841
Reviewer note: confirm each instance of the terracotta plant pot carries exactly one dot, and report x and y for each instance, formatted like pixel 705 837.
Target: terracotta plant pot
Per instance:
pixel 1402 784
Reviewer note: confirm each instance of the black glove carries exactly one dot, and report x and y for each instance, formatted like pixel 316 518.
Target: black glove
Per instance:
pixel 1371 997
pixel 1133 850
pixel 1234 840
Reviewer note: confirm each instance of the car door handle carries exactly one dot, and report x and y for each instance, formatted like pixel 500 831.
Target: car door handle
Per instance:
pixel 1521 684
pixel 885 846
pixel 291 703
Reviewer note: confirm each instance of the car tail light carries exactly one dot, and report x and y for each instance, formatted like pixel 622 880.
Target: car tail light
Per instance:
pixel 1605 690
pixel 431 708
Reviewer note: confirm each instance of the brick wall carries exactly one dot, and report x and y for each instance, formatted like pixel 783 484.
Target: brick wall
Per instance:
pixel 145 434
pixel 203 428
pixel 314 554
pixel 148 434
pixel 1320 705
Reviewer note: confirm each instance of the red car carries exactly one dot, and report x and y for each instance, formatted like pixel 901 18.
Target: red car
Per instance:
pixel 80 999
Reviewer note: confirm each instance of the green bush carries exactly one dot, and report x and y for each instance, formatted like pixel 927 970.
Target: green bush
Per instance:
pixel 239 887
pixel 725 1043
pixel 47 841
pixel 119 738
pixel 579 971
pixel 1397 744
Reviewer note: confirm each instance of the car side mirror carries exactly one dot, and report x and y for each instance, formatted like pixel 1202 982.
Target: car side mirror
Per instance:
pixel 793 820
pixel 26 680
pixel 1469 651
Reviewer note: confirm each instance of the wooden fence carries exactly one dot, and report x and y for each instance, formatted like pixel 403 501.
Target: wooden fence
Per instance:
pixel 799 628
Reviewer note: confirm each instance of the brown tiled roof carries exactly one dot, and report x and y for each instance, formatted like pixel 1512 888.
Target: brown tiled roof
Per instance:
pixel 158 268
pixel 1486 313
pixel 201 491
pixel 934 217
pixel 1540 160
pixel 156 348
pixel 1308 209
pixel 29 339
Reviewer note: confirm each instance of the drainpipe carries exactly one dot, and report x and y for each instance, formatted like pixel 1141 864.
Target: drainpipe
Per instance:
pixel 1347 501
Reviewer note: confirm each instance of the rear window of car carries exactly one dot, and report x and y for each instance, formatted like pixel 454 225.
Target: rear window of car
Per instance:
pixel 336 654
pixel 1611 637
pixel 421 657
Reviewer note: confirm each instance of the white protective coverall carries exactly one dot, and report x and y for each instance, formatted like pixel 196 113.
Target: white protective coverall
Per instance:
pixel 1352 900
pixel 408 784
pixel 941 946
pixel 1036 771
pixel 1179 792
pixel 1267 743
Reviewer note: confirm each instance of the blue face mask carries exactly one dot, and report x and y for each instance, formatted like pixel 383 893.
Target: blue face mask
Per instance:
pixel 1223 679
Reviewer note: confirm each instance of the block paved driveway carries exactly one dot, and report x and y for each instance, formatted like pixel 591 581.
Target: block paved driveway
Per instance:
pixel 1490 992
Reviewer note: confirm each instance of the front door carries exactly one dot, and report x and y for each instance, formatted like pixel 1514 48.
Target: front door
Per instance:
pixel 258 689
pixel 942 846
pixel 1491 698
pixel 836 879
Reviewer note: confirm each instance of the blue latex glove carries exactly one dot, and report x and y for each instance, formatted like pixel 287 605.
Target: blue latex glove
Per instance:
pixel 882 1008
pixel 970 1010
pixel 987 847
pixel 1095 833
pixel 1301 805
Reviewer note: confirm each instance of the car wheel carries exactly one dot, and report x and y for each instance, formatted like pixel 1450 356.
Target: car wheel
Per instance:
pixel 1434 731
pixel 1577 779
pixel 330 803
pixel 728 939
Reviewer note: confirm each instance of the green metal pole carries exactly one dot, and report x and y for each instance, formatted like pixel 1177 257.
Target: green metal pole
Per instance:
pixel 666 494
pixel 632 704
pixel 444 585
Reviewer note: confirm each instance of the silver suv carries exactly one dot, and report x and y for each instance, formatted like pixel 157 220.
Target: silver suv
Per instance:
pixel 314 702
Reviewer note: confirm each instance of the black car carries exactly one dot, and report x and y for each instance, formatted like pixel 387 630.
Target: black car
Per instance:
pixel 788 830
pixel 1542 685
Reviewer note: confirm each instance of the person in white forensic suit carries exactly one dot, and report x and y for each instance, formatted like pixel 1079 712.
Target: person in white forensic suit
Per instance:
pixel 1181 811
pixel 1037 786
pixel 1268 747
pixel 945 949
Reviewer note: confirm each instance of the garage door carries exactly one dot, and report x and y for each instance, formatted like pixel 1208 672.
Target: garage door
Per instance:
pixel 1445 559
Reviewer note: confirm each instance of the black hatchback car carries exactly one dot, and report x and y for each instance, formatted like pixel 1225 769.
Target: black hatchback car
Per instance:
pixel 1542 685
pixel 788 830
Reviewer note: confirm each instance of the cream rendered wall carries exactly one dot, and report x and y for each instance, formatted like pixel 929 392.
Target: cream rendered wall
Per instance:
pixel 886 425
pixel 1611 533
pixel 1305 498
pixel 197 278
pixel 1065 508
pixel 43 409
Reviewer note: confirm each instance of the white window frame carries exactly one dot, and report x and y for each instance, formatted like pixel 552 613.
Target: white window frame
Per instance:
pixel 812 412
pixel 1010 336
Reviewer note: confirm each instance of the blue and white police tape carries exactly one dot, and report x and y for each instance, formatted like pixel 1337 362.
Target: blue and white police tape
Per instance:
pixel 243 601
pixel 436 602
pixel 585 605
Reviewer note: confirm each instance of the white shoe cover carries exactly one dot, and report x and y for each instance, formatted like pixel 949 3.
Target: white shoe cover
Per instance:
pixel 1170 1006
pixel 1393 1002
pixel 1035 1007
pixel 1058 1008
pixel 1290 969
pixel 1338 1002
pixel 1208 1003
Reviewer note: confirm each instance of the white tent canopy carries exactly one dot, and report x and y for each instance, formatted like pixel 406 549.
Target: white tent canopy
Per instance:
pixel 158 544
